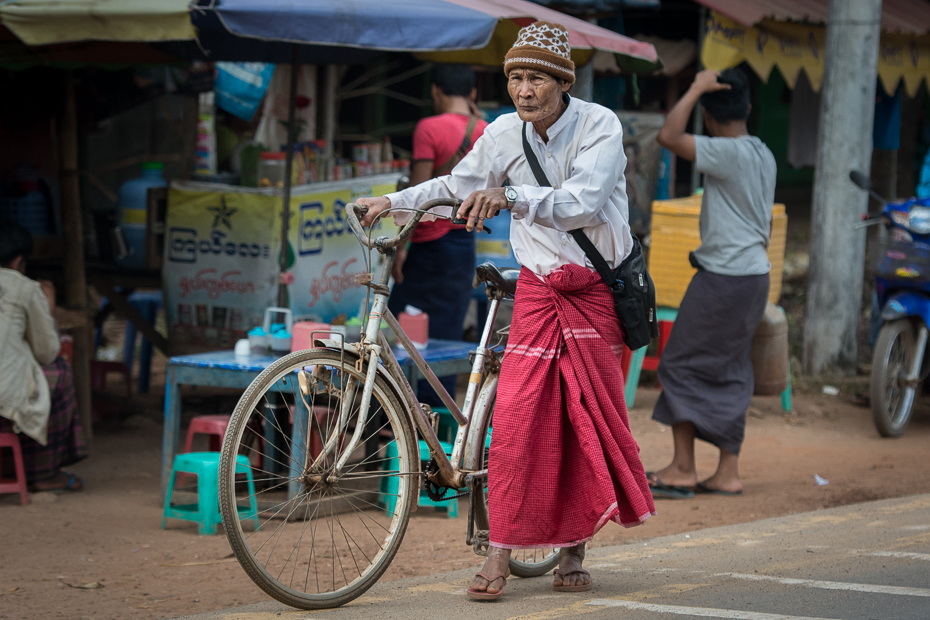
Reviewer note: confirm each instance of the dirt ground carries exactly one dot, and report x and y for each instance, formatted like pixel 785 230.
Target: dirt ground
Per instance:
pixel 109 535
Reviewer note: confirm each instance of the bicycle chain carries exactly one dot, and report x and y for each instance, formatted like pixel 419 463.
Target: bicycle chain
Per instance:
pixel 435 492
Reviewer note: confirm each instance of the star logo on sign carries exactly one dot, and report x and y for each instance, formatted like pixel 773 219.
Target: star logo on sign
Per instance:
pixel 222 214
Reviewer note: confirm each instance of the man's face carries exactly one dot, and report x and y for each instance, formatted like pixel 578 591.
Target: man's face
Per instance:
pixel 536 94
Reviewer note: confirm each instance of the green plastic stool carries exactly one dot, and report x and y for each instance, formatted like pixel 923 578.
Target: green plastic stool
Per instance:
pixel 390 486
pixel 206 512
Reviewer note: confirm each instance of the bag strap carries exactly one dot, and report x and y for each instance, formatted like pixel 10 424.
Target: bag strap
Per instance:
pixel 450 163
pixel 597 260
pixel 541 177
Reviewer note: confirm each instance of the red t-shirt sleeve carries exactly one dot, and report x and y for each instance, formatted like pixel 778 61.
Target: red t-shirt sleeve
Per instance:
pixel 423 141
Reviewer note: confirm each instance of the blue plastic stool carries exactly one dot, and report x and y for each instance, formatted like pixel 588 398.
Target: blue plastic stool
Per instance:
pixel 206 512
pixel 148 304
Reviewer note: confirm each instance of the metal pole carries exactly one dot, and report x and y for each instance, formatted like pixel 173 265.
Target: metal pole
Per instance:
pixel 288 166
pixel 697 118
pixel 844 143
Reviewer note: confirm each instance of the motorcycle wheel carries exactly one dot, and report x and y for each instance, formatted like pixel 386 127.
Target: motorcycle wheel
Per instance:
pixel 892 399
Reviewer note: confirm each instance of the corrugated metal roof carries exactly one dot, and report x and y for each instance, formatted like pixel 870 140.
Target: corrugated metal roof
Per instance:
pixel 906 16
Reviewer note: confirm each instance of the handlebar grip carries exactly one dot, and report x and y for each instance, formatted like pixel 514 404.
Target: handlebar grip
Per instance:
pixel 461 222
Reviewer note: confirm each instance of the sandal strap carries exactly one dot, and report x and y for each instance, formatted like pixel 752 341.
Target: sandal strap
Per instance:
pixel 492 577
pixel 579 571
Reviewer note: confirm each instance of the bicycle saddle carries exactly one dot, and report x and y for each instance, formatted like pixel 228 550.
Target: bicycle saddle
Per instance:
pixel 505 280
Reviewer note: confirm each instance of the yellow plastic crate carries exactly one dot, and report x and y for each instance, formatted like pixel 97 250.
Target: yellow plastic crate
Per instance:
pixel 676 233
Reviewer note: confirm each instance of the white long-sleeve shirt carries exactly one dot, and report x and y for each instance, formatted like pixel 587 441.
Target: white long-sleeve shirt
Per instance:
pixel 28 338
pixel 584 161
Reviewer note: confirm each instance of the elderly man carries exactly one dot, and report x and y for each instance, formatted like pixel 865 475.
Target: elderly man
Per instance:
pixel 563 461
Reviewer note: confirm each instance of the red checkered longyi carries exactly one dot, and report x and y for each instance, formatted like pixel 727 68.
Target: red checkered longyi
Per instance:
pixel 563 461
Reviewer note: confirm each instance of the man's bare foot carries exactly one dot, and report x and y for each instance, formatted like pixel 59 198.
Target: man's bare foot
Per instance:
pixel 498 562
pixel 721 483
pixel 673 476
pixel 570 575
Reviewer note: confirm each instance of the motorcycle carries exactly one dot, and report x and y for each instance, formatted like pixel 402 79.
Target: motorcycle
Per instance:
pixel 902 286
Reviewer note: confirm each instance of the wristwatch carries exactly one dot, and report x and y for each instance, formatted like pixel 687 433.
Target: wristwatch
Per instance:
pixel 511 194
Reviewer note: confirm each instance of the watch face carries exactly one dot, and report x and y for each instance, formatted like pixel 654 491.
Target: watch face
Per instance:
pixel 511 194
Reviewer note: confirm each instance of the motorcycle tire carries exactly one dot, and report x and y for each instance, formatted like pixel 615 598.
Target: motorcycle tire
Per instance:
pixel 892 399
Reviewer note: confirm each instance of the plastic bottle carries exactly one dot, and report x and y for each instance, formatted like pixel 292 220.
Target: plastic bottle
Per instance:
pixel 132 210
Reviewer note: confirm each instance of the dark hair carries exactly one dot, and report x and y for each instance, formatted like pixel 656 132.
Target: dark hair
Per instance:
pixel 15 240
pixel 729 105
pixel 454 80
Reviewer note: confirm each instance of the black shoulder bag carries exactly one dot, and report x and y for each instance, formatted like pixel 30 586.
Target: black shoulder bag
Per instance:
pixel 630 283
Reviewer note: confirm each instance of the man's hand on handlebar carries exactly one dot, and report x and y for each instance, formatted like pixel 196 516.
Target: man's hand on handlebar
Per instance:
pixel 375 207
pixel 482 205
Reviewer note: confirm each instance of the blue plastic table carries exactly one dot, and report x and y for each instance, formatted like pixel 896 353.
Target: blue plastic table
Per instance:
pixel 228 370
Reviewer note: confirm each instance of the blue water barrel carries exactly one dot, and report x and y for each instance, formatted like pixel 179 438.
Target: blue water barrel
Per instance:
pixel 131 212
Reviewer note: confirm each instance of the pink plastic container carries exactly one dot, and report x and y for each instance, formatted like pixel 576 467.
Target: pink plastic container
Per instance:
pixel 302 335
pixel 416 326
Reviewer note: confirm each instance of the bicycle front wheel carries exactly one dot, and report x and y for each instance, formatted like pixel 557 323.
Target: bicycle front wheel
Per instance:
pixel 523 562
pixel 308 534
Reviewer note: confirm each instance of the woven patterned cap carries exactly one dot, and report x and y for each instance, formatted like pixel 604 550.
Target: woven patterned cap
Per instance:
pixel 542 46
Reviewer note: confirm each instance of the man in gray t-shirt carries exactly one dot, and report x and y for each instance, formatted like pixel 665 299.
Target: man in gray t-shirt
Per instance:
pixel 736 212
pixel 706 367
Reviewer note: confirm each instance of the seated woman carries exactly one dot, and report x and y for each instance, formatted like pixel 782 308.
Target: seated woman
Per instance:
pixel 36 388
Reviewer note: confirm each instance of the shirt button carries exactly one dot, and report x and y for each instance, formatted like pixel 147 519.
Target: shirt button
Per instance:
pixel 548 154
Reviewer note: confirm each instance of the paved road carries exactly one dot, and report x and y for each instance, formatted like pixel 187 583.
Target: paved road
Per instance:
pixel 866 561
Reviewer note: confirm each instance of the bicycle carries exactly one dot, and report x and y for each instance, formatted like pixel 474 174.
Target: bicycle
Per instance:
pixel 352 467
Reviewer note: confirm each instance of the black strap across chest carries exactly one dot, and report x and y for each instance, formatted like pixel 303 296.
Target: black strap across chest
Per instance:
pixel 597 260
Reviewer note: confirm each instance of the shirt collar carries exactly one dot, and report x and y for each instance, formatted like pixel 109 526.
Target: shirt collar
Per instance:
pixel 563 120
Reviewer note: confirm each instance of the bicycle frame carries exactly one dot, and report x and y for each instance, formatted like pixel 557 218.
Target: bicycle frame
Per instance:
pixel 468 448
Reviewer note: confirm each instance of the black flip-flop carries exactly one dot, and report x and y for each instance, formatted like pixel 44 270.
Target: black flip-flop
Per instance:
pixel 703 488
pixel 666 491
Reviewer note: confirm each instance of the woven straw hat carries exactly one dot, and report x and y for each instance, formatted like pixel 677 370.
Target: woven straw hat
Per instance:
pixel 542 46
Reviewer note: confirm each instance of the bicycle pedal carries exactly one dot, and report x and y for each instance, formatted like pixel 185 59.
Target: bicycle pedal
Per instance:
pixel 482 542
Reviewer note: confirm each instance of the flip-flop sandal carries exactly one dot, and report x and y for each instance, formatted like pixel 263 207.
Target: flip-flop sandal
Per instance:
pixel 579 588
pixel 483 595
pixel 74 485
pixel 703 488
pixel 661 490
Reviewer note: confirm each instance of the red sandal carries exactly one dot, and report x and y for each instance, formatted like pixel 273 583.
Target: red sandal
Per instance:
pixel 483 595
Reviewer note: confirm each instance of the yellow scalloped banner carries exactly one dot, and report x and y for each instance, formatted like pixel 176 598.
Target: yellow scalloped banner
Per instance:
pixel 796 47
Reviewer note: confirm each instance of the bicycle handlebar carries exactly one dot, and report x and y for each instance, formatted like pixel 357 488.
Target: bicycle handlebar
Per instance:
pixel 386 243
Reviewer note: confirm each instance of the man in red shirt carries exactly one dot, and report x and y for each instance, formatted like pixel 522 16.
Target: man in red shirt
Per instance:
pixel 435 274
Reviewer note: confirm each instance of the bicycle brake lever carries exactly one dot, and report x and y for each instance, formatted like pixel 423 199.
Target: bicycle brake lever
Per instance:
pixel 460 222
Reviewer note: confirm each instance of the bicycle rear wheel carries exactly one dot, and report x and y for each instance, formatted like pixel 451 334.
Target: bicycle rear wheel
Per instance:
pixel 523 562
pixel 309 537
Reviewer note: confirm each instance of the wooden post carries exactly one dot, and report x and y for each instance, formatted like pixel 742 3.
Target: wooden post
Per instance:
pixel 329 109
pixel 72 225
pixel 288 167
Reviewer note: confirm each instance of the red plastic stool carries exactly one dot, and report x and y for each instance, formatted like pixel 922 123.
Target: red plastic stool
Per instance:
pixel 11 440
pixel 212 425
